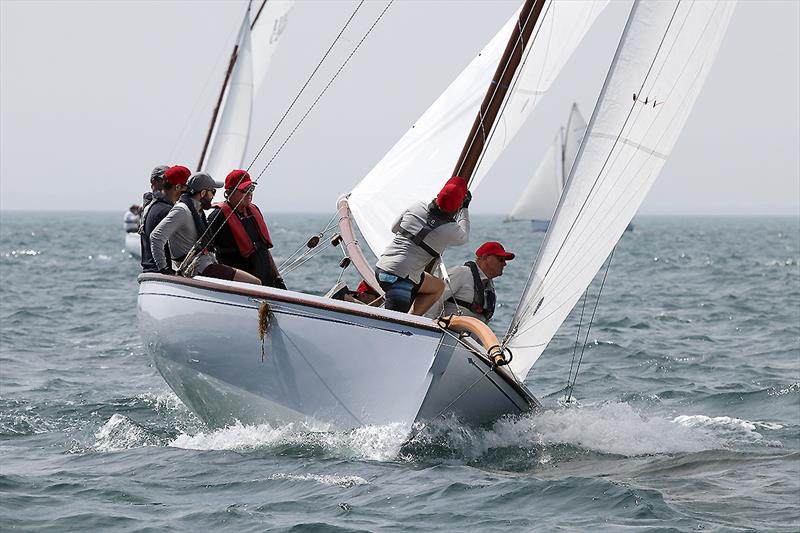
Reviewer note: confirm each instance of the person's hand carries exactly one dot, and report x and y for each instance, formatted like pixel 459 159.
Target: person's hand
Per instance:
pixel 467 200
pixel 167 271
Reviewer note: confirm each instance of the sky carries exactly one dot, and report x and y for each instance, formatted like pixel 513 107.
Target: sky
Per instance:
pixel 94 94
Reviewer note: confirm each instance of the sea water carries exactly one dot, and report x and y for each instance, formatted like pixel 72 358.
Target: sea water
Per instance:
pixel 686 414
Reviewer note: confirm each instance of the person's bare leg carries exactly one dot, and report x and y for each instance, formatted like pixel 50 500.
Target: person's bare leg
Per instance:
pixel 429 293
pixel 245 277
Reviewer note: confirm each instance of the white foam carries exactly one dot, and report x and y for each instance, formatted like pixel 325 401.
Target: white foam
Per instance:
pixel 339 481
pixel 120 433
pixel 733 430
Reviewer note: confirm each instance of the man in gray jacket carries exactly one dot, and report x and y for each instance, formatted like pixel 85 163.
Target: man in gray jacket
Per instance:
pixel 184 225
pixel 422 233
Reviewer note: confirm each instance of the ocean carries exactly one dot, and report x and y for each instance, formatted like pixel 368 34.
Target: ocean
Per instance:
pixel 687 415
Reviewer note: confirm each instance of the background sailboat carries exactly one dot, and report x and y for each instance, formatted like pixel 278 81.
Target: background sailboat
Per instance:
pixel 540 198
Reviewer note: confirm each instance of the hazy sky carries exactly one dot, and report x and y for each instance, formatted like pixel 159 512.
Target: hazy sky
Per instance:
pixel 94 94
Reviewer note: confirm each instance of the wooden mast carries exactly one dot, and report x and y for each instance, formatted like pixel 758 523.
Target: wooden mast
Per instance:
pixel 496 94
pixel 231 64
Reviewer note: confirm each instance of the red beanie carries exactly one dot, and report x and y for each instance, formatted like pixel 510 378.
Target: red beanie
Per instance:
pixel 452 195
pixel 177 175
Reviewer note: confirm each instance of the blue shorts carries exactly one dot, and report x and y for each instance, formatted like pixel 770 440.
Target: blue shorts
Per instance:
pixel 399 292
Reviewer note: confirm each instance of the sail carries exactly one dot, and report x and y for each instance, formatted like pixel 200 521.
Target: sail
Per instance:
pixel 658 70
pixel 573 136
pixel 421 161
pixel 229 139
pixel 540 198
pixel 269 22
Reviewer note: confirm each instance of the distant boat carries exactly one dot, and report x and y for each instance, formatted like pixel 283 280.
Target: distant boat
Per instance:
pixel 133 244
pixel 540 198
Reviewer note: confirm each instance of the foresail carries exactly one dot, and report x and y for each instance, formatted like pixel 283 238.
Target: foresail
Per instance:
pixel 539 199
pixel 573 136
pixel 659 68
pixel 269 22
pixel 229 139
pixel 419 164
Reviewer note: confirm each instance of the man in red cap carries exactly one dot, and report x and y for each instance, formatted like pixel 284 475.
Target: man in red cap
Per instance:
pixel 422 232
pixel 172 184
pixel 470 290
pixel 241 238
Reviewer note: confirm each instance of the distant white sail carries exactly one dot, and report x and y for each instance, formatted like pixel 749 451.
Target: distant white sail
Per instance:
pixel 266 32
pixel 229 139
pixel 420 163
pixel 540 198
pixel 659 68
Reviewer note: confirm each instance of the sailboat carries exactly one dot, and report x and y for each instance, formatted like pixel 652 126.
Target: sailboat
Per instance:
pixel 236 352
pixel 540 198
pixel 229 128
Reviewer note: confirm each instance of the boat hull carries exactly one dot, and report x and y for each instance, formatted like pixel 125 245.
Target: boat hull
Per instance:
pixel 133 245
pixel 326 364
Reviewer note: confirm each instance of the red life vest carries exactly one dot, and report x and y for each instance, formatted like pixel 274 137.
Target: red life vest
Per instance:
pixel 243 241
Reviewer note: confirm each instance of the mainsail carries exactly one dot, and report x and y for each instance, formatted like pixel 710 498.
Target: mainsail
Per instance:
pixel 540 197
pixel 657 72
pixel 422 160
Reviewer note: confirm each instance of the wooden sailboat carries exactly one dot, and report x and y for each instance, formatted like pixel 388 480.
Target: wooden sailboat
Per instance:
pixel 237 352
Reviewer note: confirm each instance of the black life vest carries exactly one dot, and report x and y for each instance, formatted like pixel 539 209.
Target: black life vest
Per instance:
pixel 436 217
pixel 483 299
pixel 200 221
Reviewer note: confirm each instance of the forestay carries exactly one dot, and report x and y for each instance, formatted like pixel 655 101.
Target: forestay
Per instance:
pixel 419 164
pixel 658 70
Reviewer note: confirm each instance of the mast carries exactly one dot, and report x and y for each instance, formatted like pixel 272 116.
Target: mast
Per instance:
pixel 225 81
pixel 496 94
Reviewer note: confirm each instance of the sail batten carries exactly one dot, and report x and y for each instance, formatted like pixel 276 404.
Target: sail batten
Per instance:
pixel 660 65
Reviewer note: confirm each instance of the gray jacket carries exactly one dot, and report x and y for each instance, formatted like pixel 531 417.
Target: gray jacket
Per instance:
pixel 461 286
pixel 405 259
pixel 179 230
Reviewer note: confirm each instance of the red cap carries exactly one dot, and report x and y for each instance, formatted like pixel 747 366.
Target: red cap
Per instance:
pixel 238 176
pixel 493 248
pixel 177 175
pixel 364 287
pixel 452 195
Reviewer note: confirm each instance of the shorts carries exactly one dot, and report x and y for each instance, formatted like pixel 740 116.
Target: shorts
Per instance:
pixel 219 271
pixel 399 292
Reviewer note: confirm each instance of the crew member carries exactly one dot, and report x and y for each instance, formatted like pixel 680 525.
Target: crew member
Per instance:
pixel 131 222
pixel 241 238
pixel 173 184
pixel 185 225
pixel 422 233
pixel 156 183
pixel 470 290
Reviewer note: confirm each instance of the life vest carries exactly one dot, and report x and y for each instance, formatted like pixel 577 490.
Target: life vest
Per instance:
pixel 436 217
pixel 243 241
pixel 483 299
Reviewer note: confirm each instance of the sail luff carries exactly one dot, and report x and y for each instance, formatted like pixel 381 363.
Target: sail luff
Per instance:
pixel 215 113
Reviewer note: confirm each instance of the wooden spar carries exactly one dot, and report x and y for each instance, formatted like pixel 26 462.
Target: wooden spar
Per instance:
pixel 215 114
pixel 496 94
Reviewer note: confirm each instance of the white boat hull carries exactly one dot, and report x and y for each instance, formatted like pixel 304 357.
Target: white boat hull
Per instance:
pixel 133 245
pixel 326 363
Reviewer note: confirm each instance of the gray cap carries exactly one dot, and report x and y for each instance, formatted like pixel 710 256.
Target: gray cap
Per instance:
pixel 200 181
pixel 158 172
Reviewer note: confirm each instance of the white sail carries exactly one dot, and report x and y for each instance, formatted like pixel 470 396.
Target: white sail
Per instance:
pixel 663 57
pixel 573 136
pixel 229 139
pixel 267 30
pixel 419 164
pixel 540 198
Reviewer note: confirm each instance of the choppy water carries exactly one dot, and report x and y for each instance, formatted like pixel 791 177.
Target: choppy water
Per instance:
pixel 688 416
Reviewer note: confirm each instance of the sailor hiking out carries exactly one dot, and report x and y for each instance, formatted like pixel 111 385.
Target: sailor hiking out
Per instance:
pixel 240 235
pixel 183 227
pixel 174 183
pixel 422 233
pixel 470 290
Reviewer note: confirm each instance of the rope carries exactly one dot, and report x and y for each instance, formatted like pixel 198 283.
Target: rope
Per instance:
pixel 577 339
pixel 589 327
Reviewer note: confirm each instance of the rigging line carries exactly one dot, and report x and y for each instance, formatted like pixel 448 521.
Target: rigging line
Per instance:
pixel 589 327
pixel 300 261
pixel 303 88
pixel 319 235
pixel 302 119
pixel 588 129
pixel 577 338
pixel 496 86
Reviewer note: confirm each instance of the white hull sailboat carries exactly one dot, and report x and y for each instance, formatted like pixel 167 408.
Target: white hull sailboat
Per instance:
pixel 237 352
pixel 133 244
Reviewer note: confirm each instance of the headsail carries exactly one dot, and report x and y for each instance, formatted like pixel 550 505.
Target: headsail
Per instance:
pixel 658 70
pixel 422 160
